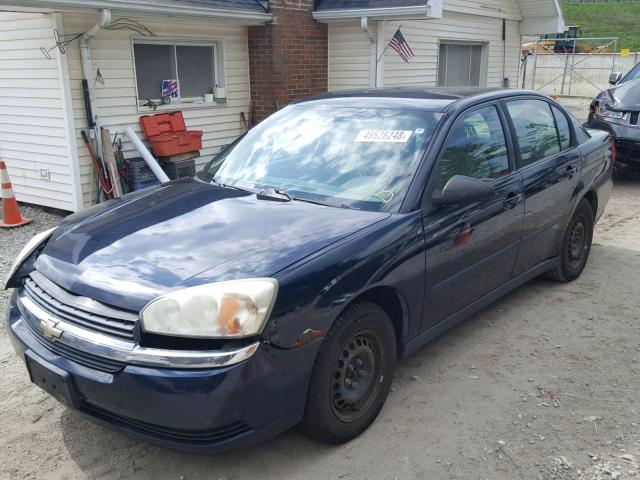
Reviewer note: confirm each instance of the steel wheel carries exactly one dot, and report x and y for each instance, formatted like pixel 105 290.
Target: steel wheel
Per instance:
pixel 351 375
pixel 577 242
pixel 356 377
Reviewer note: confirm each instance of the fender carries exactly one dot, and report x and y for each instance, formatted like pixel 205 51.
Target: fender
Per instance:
pixel 388 256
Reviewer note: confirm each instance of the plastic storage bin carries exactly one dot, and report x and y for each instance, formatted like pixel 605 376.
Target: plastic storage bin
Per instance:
pixel 184 168
pixel 168 134
pixel 139 175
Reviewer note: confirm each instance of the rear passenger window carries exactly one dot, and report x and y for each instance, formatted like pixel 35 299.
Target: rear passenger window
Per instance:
pixel 476 148
pixel 563 128
pixel 535 129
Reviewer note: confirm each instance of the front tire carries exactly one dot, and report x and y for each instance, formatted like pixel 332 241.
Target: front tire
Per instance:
pixel 352 374
pixel 576 244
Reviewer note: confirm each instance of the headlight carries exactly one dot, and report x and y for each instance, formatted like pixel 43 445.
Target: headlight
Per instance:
pixel 28 249
pixel 233 309
pixel 611 114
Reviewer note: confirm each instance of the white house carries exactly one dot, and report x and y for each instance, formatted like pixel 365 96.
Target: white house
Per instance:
pixel 263 53
pixel 455 42
pixel 42 108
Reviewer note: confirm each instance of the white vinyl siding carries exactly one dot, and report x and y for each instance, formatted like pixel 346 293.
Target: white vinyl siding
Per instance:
pixel 424 37
pixel 349 56
pixel 33 123
pixel 488 8
pixel 349 53
pixel 116 101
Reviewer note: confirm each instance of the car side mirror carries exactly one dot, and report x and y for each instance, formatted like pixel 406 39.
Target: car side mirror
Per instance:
pixel 614 78
pixel 462 190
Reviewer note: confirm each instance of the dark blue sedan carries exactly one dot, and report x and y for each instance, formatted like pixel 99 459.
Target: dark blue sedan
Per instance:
pixel 281 284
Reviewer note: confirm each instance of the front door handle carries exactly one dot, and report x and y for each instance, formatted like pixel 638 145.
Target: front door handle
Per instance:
pixel 512 200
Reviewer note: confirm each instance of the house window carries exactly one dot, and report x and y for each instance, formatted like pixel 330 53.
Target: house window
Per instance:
pixel 193 67
pixel 460 65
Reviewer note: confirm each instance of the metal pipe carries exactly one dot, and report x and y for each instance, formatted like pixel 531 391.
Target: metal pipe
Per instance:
pixel 90 75
pixel 146 154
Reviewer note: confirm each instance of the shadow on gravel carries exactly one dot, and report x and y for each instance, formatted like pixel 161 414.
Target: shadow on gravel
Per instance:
pixel 628 175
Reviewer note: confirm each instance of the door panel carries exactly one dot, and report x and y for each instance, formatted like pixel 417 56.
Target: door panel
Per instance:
pixel 471 250
pixel 548 188
pixel 550 172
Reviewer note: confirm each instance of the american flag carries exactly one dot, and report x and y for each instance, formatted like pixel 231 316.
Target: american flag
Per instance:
pixel 170 88
pixel 400 45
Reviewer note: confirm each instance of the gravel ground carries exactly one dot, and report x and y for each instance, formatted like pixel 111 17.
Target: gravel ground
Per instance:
pixel 541 385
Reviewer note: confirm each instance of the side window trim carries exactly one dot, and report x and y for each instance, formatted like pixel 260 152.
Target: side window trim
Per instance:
pixel 572 132
pixel 512 151
pixel 555 123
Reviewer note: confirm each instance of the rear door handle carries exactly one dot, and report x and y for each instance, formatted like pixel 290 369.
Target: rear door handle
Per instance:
pixel 512 200
pixel 570 172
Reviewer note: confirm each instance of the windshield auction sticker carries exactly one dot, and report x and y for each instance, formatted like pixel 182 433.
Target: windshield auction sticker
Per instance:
pixel 384 136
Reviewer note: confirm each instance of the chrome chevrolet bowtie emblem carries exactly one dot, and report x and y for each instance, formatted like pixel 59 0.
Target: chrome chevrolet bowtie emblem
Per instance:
pixel 49 330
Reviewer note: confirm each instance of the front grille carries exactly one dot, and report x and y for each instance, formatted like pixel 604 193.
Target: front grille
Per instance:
pixel 633 118
pixel 83 358
pixel 194 437
pixel 81 311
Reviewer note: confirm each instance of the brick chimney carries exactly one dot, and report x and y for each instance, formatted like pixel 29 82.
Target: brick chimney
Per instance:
pixel 287 58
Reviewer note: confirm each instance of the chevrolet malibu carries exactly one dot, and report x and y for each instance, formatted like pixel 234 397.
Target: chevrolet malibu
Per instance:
pixel 281 284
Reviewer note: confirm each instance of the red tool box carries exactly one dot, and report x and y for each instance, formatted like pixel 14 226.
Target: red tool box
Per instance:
pixel 168 134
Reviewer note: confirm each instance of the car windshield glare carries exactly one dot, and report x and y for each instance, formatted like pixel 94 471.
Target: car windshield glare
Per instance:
pixel 361 158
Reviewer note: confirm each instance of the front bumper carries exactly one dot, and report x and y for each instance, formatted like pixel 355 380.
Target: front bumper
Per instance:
pixel 210 410
pixel 627 139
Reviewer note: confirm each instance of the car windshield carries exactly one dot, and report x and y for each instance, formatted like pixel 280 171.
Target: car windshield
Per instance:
pixel 633 74
pixel 361 158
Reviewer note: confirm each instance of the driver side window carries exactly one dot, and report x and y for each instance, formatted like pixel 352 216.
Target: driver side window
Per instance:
pixel 476 148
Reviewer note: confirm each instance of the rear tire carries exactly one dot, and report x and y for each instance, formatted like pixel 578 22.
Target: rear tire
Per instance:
pixel 352 374
pixel 576 244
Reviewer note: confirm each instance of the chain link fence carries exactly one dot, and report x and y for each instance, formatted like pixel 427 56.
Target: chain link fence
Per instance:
pixel 573 67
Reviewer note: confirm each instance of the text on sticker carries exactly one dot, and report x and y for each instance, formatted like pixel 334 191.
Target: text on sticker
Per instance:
pixel 384 136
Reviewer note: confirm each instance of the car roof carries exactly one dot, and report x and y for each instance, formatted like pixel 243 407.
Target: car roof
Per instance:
pixel 431 98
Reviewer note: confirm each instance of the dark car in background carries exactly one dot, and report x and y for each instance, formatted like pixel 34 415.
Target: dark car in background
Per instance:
pixel 282 283
pixel 617 110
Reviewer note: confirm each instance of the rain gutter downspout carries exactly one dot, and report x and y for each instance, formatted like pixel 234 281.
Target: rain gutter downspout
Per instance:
pixel 373 66
pixel 90 75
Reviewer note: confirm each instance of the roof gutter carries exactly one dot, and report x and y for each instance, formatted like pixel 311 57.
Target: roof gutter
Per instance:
pixel 383 13
pixel 170 9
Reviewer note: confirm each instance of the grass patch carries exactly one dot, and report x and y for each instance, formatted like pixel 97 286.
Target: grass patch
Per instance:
pixel 620 20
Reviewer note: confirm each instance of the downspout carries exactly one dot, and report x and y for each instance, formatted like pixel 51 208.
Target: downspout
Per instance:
pixel 90 75
pixel 364 24
pixel 373 64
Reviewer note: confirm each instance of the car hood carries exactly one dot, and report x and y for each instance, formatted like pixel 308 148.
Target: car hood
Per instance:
pixel 625 96
pixel 129 251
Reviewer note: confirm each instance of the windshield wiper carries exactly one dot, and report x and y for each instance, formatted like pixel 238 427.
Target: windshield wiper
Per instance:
pixel 285 193
pixel 224 185
pixel 274 194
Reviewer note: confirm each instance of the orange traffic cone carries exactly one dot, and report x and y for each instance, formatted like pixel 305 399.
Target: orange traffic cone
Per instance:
pixel 10 211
